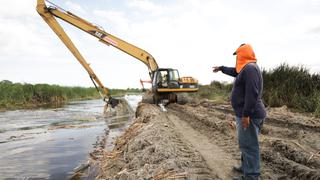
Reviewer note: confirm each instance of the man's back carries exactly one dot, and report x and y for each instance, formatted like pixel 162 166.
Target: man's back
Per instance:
pixel 247 92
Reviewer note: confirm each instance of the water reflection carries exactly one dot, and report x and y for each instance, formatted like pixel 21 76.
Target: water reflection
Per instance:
pixel 50 143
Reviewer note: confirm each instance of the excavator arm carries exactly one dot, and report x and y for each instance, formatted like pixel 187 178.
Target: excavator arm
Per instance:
pixel 48 14
pixel 49 18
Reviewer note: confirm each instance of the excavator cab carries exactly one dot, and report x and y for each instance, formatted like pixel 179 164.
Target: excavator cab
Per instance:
pixel 166 82
pixel 166 78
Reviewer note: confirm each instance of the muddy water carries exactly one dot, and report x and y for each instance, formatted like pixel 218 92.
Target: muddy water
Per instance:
pixel 50 143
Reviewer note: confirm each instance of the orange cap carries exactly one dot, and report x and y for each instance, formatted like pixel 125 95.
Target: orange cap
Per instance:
pixel 245 55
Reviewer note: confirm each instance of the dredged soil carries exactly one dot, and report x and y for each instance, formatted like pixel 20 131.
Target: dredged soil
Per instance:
pixel 198 141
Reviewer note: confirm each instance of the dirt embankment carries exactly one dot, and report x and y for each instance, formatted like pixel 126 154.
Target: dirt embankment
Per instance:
pixel 198 141
pixel 152 148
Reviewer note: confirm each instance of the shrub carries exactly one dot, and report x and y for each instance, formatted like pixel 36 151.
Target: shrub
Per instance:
pixel 15 94
pixel 292 86
pixel 215 91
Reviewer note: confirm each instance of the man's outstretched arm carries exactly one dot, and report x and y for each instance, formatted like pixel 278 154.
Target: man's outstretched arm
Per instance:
pixel 226 70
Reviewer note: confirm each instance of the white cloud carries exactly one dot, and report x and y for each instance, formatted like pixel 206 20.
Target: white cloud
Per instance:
pixel 190 35
pixel 147 7
pixel 15 8
pixel 315 30
pixel 22 33
pixel 113 20
pixel 74 7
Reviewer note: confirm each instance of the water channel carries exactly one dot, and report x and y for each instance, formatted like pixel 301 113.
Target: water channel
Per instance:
pixel 50 143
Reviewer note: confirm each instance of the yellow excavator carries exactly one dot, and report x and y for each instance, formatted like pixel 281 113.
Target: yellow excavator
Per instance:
pixel 165 81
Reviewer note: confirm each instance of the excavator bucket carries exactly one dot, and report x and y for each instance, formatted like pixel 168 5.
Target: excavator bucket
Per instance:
pixel 111 106
pixel 116 107
pixel 113 102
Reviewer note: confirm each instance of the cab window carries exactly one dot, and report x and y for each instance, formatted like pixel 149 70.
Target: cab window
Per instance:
pixel 174 75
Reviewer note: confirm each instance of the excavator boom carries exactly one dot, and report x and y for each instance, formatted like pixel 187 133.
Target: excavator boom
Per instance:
pixel 104 37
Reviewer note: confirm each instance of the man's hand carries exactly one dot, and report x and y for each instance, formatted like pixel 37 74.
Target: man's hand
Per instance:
pixel 216 69
pixel 245 122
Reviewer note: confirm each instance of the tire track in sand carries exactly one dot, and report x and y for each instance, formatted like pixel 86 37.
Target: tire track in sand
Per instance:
pixel 219 161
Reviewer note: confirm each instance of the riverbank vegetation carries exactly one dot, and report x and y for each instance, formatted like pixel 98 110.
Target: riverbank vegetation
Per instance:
pixel 18 95
pixel 292 86
pixel 217 91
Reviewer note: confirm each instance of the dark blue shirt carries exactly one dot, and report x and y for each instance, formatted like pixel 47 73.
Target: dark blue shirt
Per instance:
pixel 246 96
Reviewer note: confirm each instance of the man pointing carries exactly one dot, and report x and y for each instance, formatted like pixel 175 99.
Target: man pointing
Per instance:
pixel 247 104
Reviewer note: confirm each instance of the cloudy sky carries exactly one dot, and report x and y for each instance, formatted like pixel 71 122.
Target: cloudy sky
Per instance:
pixel 190 35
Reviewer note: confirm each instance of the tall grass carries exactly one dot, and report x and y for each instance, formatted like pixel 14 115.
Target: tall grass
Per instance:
pixel 21 95
pixel 293 86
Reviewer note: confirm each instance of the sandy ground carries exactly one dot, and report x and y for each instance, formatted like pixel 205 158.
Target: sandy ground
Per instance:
pixel 198 141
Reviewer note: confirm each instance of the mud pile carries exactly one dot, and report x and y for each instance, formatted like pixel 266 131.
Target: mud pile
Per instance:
pixel 151 148
pixel 198 141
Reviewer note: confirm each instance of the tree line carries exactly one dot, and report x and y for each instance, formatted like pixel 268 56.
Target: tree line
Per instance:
pixel 24 94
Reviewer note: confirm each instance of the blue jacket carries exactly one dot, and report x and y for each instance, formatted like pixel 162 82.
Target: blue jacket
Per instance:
pixel 246 96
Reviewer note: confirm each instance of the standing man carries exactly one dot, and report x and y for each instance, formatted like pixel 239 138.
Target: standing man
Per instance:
pixel 247 104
